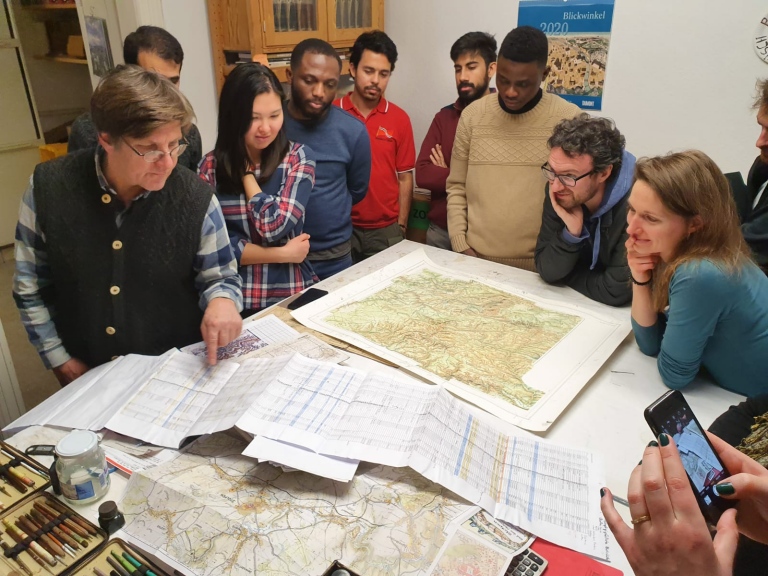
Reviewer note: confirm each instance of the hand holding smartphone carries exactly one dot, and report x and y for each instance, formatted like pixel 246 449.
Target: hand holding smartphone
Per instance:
pixel 672 415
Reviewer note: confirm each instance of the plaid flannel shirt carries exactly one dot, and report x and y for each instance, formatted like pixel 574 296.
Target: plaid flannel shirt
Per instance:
pixel 269 219
pixel 215 270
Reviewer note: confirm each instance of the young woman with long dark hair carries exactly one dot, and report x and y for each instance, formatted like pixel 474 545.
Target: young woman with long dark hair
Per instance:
pixel 263 182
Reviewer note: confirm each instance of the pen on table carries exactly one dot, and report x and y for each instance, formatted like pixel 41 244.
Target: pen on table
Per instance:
pixel 138 564
pixel 99 572
pixel 15 482
pixel 19 464
pixel 33 545
pixel 67 524
pixel 43 539
pixel 18 561
pixel 116 565
pixel 43 520
pixel 51 535
pixel 79 521
pixel 4 491
pixel 123 562
pixel 28 550
pixel 21 478
pixel 620 500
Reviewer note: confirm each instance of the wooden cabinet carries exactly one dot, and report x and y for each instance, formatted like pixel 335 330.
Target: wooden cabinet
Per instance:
pixel 267 30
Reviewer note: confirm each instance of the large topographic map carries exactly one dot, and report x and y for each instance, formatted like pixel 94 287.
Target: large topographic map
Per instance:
pixel 495 336
pixel 461 330
pixel 217 512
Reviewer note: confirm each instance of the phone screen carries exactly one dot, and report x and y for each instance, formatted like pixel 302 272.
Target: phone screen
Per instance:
pixel 672 415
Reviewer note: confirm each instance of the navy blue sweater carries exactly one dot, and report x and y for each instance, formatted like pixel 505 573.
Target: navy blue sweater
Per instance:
pixel 343 169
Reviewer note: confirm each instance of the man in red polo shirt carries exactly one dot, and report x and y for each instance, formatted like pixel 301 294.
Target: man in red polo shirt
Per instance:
pixel 380 219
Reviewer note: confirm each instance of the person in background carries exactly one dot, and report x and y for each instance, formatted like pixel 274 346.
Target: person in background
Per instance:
pixel 583 226
pixel 263 182
pixel 751 199
pixel 119 251
pixel 474 64
pixel 494 187
pixel 698 299
pixel 156 50
pixel 380 220
pixel 342 153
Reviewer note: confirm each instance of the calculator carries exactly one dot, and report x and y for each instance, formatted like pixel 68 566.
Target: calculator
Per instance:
pixel 527 563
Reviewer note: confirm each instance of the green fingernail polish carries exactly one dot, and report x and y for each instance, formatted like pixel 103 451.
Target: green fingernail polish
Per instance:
pixel 602 492
pixel 725 489
pixel 653 443
pixel 664 439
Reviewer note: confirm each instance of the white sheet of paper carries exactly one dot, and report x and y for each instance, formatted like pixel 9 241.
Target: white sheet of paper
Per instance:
pixel 90 401
pixel 298 458
pixel 393 420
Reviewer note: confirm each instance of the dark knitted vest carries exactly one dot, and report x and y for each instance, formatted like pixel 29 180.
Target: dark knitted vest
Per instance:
pixel 120 290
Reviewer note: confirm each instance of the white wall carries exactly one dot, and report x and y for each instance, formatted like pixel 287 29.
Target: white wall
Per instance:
pixel 680 73
pixel 188 21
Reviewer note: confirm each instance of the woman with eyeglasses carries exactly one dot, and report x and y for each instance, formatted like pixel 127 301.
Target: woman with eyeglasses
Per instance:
pixel 698 299
pixel 263 182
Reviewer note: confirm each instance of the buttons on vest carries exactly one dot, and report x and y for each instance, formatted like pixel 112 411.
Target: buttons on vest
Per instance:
pixel 114 290
pixel 117 245
pixel 106 198
pixel 110 331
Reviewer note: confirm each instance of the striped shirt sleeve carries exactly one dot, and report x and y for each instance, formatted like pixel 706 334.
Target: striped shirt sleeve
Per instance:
pixel 274 217
pixel 215 266
pixel 31 277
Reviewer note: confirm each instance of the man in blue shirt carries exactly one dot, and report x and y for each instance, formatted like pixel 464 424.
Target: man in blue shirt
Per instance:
pixel 342 150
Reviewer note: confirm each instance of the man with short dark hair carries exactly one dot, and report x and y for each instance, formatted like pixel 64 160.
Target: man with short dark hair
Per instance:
pixel 118 251
pixel 380 220
pixel 342 152
pixel 474 64
pixel 156 50
pixel 584 221
pixel 494 206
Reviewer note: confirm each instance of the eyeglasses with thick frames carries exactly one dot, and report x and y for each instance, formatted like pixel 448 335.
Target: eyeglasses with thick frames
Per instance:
pixel 156 155
pixel 567 181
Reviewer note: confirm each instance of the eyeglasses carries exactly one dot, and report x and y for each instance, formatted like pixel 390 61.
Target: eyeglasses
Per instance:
pixel 156 155
pixel 567 181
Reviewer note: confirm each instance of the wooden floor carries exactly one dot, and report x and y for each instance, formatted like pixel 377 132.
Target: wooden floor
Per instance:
pixel 36 383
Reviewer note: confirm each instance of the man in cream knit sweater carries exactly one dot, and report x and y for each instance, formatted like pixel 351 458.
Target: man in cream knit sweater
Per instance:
pixel 494 188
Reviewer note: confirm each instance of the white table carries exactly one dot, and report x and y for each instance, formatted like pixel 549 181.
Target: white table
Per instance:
pixel 605 418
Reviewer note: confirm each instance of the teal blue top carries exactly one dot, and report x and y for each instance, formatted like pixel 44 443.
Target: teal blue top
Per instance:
pixel 716 320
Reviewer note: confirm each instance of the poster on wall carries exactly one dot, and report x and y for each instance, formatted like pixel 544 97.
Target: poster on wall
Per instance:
pixel 579 32
pixel 98 44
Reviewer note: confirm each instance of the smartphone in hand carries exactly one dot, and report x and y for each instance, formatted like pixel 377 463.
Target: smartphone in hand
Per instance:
pixel 672 415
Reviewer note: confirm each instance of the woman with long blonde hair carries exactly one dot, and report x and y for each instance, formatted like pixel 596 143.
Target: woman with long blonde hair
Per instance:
pixel 698 299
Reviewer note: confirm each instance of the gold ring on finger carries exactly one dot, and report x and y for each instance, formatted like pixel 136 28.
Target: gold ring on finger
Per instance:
pixel 640 519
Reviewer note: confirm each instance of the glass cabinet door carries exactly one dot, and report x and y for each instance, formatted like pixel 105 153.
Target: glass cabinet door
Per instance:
pixel 291 21
pixel 347 19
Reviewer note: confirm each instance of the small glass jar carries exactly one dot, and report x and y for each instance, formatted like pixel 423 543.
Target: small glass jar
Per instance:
pixel 110 518
pixel 82 467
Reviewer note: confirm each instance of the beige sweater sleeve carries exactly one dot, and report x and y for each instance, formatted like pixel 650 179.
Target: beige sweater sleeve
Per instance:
pixel 455 186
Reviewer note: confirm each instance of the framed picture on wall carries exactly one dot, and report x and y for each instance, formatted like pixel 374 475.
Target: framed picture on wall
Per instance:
pixel 98 45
